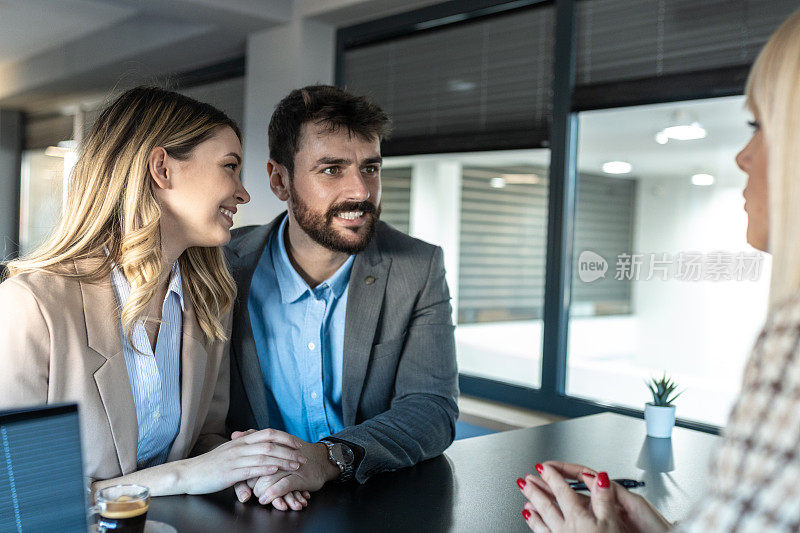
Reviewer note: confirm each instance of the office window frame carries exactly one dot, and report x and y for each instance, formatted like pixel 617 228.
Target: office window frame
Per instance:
pixel 568 100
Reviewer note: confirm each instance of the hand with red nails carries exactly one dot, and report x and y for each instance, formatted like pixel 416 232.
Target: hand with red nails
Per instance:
pixel 553 506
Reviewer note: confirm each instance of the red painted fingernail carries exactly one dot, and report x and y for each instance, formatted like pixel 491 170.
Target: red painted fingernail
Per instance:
pixel 520 483
pixel 526 514
pixel 602 480
pixel 539 468
pixel 587 474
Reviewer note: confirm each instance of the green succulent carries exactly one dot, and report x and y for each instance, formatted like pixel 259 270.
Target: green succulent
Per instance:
pixel 663 391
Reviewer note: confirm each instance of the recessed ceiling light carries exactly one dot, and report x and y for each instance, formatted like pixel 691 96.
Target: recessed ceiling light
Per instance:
pixel 681 127
pixel 703 180
pixel 497 183
pixel 685 132
pixel 617 167
pixel 461 85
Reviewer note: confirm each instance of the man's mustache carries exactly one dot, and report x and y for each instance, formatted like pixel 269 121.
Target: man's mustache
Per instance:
pixel 365 206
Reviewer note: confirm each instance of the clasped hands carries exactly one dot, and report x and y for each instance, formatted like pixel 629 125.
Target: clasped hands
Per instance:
pixel 302 467
pixel 553 506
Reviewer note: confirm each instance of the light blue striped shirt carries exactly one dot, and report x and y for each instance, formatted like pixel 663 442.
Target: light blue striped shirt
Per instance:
pixel 155 377
pixel 299 336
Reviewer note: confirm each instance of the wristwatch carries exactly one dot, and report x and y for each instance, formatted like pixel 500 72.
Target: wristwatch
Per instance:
pixel 343 457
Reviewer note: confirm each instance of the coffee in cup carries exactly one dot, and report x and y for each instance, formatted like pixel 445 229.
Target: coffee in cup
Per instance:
pixel 122 508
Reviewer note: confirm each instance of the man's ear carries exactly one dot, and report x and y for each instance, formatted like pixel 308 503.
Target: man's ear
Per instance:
pixel 157 165
pixel 278 179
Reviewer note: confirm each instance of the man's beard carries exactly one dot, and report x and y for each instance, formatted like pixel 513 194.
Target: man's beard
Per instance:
pixel 319 226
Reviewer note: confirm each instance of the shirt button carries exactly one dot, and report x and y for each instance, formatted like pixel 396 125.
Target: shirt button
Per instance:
pixel 157 415
pixel 311 345
pixel 314 395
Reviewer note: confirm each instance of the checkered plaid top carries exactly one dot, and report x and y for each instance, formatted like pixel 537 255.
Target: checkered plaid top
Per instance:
pixel 755 481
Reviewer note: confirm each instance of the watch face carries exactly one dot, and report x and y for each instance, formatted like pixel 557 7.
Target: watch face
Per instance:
pixel 342 454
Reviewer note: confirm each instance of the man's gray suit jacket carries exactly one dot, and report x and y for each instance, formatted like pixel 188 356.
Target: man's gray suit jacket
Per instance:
pixel 399 381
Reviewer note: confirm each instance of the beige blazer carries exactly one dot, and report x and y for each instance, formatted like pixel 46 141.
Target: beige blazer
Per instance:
pixel 60 341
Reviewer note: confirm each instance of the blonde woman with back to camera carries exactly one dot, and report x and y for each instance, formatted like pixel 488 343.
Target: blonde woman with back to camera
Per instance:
pixel 125 308
pixel 755 478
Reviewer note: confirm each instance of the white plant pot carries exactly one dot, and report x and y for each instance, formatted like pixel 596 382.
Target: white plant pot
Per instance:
pixel 659 420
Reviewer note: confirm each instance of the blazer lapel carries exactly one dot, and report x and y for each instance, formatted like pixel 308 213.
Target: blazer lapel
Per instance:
pixel 364 301
pixel 194 355
pixel 111 376
pixel 246 255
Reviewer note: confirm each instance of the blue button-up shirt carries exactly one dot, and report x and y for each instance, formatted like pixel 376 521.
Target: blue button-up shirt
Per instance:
pixel 299 336
pixel 155 376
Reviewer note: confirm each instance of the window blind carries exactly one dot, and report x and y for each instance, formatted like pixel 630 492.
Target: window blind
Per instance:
pixel 475 79
pixel 504 236
pixel 396 197
pixel 604 221
pixel 632 39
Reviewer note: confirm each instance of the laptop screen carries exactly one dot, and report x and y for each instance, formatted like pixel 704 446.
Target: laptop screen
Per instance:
pixel 41 470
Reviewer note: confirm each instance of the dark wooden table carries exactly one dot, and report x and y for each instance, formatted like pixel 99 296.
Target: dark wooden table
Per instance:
pixel 472 486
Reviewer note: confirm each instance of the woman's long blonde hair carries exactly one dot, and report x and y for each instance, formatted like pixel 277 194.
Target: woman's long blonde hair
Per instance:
pixel 773 94
pixel 111 207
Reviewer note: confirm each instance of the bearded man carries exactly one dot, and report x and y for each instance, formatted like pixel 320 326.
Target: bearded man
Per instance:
pixel 343 336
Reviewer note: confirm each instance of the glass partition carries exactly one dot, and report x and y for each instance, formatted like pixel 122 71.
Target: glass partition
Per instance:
pixel 684 293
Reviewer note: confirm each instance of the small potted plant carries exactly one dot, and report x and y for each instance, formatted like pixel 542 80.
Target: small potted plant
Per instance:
pixel 659 414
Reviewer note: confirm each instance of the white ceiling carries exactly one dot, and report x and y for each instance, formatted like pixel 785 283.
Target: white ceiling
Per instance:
pixel 28 27
pixel 628 135
pixel 53 52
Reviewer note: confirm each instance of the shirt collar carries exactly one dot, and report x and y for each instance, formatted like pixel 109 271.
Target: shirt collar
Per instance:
pixel 291 285
pixel 341 278
pixel 175 282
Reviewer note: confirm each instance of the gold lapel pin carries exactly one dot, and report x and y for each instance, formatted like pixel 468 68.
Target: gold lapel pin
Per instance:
pixel 369 280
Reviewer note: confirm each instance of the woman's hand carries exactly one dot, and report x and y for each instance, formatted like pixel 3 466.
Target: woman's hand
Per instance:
pixel 554 506
pixel 253 455
pixel 317 471
pixel 296 500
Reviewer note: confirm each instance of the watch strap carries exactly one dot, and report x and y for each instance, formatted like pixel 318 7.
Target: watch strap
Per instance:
pixel 346 471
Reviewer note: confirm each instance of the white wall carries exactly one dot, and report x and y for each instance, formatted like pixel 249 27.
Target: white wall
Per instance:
pixel 278 61
pixel 700 332
pixel 436 213
pixel 702 328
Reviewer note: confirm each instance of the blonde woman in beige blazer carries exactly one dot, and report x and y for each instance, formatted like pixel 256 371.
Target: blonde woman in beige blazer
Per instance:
pixel 126 308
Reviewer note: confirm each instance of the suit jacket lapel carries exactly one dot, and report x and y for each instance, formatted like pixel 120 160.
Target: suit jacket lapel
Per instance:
pixel 194 355
pixel 111 375
pixel 364 301
pixel 247 253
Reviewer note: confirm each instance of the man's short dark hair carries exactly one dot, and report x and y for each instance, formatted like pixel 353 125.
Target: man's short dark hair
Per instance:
pixel 329 107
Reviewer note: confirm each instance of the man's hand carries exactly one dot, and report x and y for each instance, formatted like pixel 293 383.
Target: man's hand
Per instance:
pixel 297 500
pixel 311 476
pixel 284 490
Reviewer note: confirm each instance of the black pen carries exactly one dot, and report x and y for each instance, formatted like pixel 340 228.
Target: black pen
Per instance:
pixel 627 483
